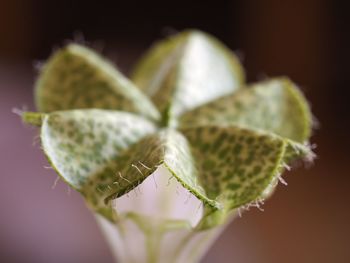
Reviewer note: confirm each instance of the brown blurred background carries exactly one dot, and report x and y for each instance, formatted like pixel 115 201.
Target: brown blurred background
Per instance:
pixel 308 221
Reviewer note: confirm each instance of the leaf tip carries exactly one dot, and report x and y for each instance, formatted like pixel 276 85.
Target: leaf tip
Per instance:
pixel 32 118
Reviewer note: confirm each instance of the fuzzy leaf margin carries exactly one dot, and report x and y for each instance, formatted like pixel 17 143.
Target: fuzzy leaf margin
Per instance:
pixel 105 154
pixel 236 165
pixel 228 151
pixel 275 105
pixel 76 77
pixel 83 146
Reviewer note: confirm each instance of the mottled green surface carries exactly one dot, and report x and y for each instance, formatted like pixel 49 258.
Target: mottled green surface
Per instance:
pixel 274 105
pixel 235 165
pixel 223 141
pixel 88 148
pixel 186 71
pixel 76 77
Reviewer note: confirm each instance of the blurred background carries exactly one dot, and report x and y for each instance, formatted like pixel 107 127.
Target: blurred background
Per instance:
pixel 307 221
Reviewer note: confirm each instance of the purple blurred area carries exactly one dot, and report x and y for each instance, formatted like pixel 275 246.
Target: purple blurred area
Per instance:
pixel 307 221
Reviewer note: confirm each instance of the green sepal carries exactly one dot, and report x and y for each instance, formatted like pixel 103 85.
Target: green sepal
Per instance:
pixel 105 154
pixel 235 166
pixel 83 146
pixel 76 77
pixel 231 159
pixel 232 142
pixel 274 105
pixel 169 148
pixel 186 71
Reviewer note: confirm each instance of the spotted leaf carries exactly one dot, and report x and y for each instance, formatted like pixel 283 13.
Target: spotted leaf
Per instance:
pixel 223 167
pixel 225 143
pixel 186 71
pixel 234 165
pixel 76 77
pixel 234 158
pixel 83 146
pixel 274 105
pixel 166 147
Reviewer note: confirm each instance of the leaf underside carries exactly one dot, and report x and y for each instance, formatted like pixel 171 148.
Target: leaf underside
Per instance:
pixel 224 142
